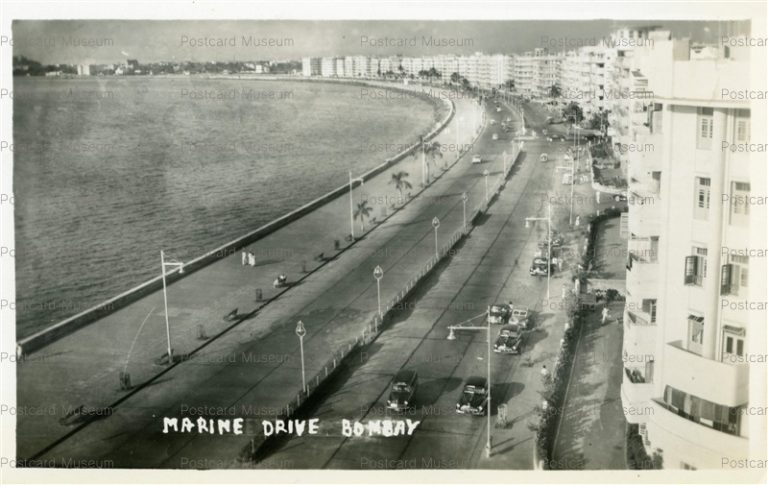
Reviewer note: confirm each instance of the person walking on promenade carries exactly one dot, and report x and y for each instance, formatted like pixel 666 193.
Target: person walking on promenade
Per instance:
pixel 251 259
pixel 244 258
pixel 605 315
pixel 544 374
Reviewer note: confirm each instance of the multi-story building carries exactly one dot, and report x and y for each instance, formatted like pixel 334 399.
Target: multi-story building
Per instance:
pixel 689 336
pixel 328 67
pixel 310 66
pixel 537 71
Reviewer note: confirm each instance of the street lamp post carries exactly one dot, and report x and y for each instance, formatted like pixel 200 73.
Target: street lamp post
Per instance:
pixel 572 169
pixel 486 328
pixel 528 220
pixel 464 199
pixel 485 174
pixel 163 264
pixel 378 273
pixel 436 224
pixel 301 332
pixel 352 203
pixel 504 163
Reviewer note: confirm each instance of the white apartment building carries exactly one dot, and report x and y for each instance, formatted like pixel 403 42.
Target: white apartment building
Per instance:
pixel 688 339
pixel 328 67
pixel 310 66
pixel 537 71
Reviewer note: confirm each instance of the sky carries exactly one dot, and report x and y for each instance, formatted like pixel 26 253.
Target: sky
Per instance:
pixel 110 41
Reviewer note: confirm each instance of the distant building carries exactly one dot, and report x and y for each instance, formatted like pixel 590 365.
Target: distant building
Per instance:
pixel 310 66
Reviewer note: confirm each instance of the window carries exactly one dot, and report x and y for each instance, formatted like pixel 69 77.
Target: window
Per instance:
pixel 649 370
pixel 702 194
pixel 741 127
pixel 741 266
pixel 705 128
pixel 739 203
pixel 696 267
pixel 649 307
pixel 695 333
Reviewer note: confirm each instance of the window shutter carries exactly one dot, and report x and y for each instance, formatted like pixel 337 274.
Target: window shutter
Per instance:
pixel 647 306
pixel 691 269
pixel 726 273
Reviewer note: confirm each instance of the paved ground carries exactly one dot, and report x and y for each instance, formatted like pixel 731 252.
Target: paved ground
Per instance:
pixel 491 266
pixel 591 434
pixel 252 366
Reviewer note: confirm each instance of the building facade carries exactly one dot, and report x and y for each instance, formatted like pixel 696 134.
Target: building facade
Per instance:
pixel 688 328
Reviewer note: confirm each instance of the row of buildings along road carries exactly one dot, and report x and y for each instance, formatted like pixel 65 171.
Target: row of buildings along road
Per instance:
pixel 679 120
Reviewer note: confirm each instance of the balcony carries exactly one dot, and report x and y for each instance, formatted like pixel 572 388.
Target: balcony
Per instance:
pixel 635 398
pixel 683 440
pixel 645 212
pixel 719 382
pixel 642 277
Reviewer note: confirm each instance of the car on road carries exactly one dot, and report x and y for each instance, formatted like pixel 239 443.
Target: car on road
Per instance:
pixel 402 390
pixel 539 267
pixel 543 157
pixel 498 109
pixel 521 316
pixel 477 159
pixel 511 340
pixel 474 397
pixel 499 313
pixel 493 122
pixel 495 136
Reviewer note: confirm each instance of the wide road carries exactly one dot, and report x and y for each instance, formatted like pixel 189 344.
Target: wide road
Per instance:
pixel 253 370
pixel 491 266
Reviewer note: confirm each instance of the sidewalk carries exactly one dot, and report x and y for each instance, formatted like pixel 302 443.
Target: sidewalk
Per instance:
pixel 83 369
pixel 591 435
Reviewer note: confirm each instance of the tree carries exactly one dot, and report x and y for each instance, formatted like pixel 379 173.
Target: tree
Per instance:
pixel 555 91
pixel 599 120
pixel 456 78
pixel 429 150
pixel 573 112
pixel 362 212
pixel 399 181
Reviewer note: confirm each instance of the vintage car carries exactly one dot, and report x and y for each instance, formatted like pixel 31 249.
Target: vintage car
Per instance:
pixel 543 157
pixel 402 390
pixel 474 397
pixel 495 136
pixel 499 313
pixel 521 316
pixel 539 267
pixel 477 159
pixel 511 339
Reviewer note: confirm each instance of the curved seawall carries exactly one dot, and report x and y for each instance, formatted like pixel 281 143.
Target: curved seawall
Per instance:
pixel 69 325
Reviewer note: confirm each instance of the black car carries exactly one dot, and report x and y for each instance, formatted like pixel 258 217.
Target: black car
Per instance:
pixel 402 390
pixel 474 397
pixel 511 340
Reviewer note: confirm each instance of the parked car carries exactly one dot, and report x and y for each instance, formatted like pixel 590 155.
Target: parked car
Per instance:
pixel 477 159
pixel 495 136
pixel 402 390
pixel 522 316
pixel 499 313
pixel 543 157
pixel 498 109
pixel 474 397
pixel 539 267
pixel 511 340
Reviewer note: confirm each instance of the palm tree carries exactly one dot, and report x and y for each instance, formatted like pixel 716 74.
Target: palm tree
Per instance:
pixel 428 149
pixel 362 212
pixel 399 181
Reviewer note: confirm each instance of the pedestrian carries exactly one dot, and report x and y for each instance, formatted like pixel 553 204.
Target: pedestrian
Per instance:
pixel 578 221
pixel 244 258
pixel 605 314
pixel 251 259
pixel 544 373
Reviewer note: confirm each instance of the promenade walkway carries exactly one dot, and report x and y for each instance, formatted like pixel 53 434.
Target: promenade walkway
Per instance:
pixel 334 302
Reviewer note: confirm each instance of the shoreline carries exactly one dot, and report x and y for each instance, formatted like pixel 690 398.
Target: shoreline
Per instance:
pixel 51 333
